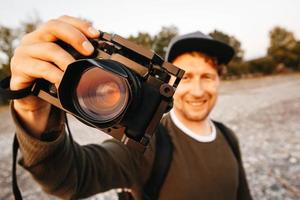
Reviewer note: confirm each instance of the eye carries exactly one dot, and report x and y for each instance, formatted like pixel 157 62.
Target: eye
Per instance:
pixel 186 77
pixel 209 76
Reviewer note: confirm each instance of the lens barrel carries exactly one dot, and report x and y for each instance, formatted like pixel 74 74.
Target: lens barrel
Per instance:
pixel 101 95
pixel 100 90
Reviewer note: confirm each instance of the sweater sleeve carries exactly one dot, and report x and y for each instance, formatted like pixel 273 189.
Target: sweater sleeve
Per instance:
pixel 67 170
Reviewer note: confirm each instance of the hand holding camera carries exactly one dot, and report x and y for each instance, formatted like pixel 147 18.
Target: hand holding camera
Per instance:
pixel 39 57
pixel 104 80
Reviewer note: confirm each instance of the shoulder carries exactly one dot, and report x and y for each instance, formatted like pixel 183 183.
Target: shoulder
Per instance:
pixel 169 125
pixel 166 120
pixel 230 137
pixel 226 131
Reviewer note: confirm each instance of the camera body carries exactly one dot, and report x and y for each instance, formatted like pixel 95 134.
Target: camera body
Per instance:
pixel 122 89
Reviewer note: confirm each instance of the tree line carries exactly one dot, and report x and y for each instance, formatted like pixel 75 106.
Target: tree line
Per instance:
pixel 283 53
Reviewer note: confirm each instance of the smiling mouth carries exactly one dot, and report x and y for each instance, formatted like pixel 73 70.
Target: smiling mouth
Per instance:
pixel 197 103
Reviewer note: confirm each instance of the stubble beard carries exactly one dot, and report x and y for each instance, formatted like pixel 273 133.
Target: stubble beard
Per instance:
pixel 195 117
pixel 198 116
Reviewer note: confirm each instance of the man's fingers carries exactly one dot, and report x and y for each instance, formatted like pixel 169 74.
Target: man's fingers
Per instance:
pixel 82 25
pixel 58 30
pixel 30 69
pixel 55 53
pixel 37 55
pixel 45 70
pixel 67 33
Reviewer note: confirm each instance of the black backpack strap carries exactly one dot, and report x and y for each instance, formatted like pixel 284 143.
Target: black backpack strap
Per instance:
pixel 230 138
pixel 243 189
pixel 161 165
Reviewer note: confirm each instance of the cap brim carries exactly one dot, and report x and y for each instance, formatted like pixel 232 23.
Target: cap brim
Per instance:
pixel 221 51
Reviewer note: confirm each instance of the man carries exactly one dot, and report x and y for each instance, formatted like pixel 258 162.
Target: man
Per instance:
pixel 204 165
pixel 203 157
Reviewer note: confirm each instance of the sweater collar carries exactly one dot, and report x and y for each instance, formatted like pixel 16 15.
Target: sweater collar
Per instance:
pixel 200 138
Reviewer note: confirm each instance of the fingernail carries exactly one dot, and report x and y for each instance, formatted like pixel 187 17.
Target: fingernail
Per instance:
pixel 93 31
pixel 88 46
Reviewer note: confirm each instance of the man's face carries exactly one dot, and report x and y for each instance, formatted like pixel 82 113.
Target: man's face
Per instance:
pixel 197 92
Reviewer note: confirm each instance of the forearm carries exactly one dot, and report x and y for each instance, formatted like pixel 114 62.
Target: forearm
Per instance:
pixel 49 159
pixel 93 168
pixel 35 121
pixel 53 162
pixel 34 149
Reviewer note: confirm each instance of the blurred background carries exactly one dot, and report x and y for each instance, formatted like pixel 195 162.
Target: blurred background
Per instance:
pixel 260 93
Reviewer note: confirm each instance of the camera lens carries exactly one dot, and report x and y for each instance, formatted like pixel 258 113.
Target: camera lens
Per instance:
pixel 101 95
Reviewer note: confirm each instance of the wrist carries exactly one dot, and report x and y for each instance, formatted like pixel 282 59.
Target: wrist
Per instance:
pixel 26 104
pixel 34 119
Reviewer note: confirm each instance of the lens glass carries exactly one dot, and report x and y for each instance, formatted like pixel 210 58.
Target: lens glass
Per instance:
pixel 102 95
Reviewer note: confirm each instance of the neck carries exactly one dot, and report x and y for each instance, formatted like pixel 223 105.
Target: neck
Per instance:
pixel 200 127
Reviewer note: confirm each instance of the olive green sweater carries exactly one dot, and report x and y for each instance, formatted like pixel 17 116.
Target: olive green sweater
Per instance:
pixel 198 170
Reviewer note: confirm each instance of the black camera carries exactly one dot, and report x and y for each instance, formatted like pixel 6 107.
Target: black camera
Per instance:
pixel 122 89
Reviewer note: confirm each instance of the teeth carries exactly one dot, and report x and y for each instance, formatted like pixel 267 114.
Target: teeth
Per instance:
pixel 197 103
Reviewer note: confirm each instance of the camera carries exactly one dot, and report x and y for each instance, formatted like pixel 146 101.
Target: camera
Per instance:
pixel 122 89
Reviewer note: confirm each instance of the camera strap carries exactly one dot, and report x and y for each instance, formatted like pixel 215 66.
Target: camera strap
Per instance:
pixel 162 160
pixel 15 186
pixel 8 94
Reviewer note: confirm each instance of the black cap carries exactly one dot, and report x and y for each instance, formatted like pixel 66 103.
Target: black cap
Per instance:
pixel 198 41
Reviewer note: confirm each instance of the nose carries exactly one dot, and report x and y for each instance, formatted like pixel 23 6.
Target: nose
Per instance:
pixel 197 88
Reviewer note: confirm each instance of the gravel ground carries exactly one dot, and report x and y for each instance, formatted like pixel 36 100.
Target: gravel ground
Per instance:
pixel 264 112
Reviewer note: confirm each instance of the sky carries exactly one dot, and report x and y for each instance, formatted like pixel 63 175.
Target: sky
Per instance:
pixel 248 20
